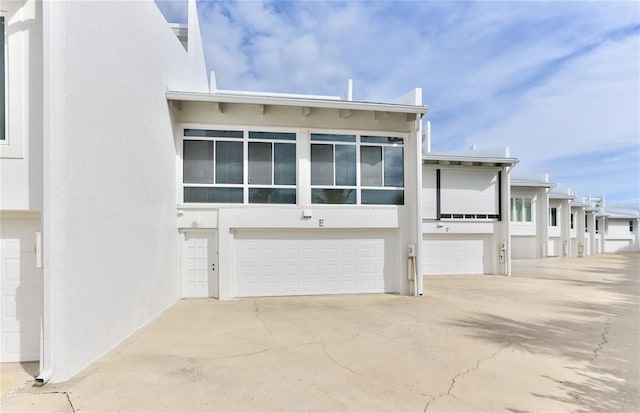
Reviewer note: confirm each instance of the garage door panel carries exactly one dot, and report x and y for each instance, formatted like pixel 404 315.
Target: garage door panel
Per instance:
pixel 325 262
pixel 463 254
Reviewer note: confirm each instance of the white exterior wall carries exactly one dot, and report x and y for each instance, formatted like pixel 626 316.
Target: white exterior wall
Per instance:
pixel 492 232
pixel 578 245
pixel 21 153
pixel 110 162
pixel 529 239
pixel 559 244
pixel 228 218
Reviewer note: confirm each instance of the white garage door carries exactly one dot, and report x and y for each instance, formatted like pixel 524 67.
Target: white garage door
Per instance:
pixel 456 255
pixel 21 291
pixel 273 263
pixel 617 245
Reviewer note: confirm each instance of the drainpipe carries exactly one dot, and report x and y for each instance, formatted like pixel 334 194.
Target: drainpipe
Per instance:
pixel 52 82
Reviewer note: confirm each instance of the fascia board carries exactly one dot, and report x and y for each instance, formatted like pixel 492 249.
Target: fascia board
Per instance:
pixel 324 103
pixel 444 159
pixel 533 184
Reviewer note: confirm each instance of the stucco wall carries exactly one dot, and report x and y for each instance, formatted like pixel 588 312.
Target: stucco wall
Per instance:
pixel 115 155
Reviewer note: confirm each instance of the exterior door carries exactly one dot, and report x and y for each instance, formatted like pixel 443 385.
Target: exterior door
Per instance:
pixel 199 275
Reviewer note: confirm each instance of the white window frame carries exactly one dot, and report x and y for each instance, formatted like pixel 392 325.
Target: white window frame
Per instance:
pixel 245 162
pixel 523 221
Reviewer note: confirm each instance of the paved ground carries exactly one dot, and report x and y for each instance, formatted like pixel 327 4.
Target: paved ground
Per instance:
pixel 560 336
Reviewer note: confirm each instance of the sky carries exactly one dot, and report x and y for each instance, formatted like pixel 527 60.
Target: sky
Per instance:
pixel 558 82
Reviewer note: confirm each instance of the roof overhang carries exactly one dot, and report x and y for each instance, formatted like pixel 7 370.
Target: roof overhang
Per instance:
pixel 532 184
pixel 467 160
pixel 561 196
pixel 296 101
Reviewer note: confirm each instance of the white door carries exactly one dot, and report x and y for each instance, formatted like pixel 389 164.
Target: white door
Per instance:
pixel 276 263
pixel 456 255
pixel 21 300
pixel 199 261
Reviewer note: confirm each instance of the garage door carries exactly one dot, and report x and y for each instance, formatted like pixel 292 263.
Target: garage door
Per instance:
pixel 456 255
pixel 274 263
pixel 616 245
pixel 21 290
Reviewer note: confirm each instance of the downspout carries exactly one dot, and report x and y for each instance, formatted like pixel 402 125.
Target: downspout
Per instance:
pixel 52 50
pixel 417 259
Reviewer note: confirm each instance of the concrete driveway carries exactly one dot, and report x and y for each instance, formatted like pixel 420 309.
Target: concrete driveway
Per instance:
pixel 560 335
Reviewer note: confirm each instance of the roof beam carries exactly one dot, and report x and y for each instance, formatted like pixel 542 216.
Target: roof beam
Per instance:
pixel 218 107
pixel 306 111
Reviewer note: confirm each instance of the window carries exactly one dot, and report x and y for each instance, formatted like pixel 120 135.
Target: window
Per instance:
pixel 3 74
pixel 586 224
pixel 597 230
pixel 521 210
pixel 553 216
pixel 335 160
pixel 572 220
pixel 630 226
pixel 213 167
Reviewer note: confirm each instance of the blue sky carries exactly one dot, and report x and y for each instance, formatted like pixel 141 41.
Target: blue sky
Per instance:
pixel 556 81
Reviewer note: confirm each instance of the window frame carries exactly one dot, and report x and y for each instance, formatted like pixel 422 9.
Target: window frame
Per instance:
pixel 631 226
pixel 523 209
pixel 245 140
pixel 394 140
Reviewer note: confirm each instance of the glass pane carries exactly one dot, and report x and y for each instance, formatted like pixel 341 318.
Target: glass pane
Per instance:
pixel 393 166
pixel 2 80
pixel 273 135
pixel 260 163
pixel 333 196
pixel 518 209
pixel 213 195
pixel 371 165
pixel 284 159
pixel 527 210
pixel 345 165
pixel 209 133
pixel 228 162
pixel 197 162
pixel 382 197
pixel 380 139
pixel 326 137
pixel 272 196
pixel 513 210
pixel 321 164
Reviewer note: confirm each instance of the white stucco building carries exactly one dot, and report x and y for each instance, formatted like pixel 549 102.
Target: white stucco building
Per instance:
pixel 530 215
pixel 621 230
pixel 559 232
pixel 129 180
pixel 465 212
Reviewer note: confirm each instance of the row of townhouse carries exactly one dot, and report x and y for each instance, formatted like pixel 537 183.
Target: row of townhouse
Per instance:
pixel 129 181
pixel 552 221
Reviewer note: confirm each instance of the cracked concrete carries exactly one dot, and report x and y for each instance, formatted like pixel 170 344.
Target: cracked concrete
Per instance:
pixel 560 335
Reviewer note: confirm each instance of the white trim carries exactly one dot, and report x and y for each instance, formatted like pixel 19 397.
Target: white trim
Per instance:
pixel 293 100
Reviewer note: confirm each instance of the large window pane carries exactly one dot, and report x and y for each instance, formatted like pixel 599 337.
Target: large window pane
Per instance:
pixel 393 166
pixel 272 196
pixel 2 80
pixel 321 164
pixel 284 164
pixel 213 195
pixel 198 162
pixel 518 209
pixel 260 163
pixel 228 162
pixel 333 196
pixel 345 164
pixel 382 197
pixel 371 165
pixel 527 210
